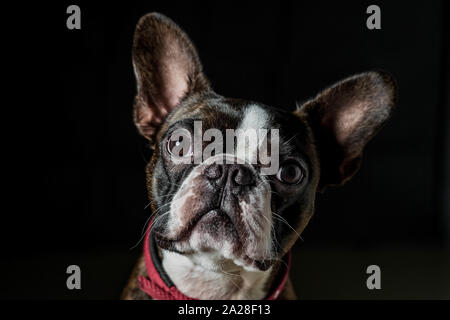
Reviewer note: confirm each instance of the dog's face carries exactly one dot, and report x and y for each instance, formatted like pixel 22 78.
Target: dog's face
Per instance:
pixel 221 206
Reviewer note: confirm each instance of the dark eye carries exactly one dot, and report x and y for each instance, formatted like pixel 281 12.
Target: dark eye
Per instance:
pixel 179 144
pixel 290 173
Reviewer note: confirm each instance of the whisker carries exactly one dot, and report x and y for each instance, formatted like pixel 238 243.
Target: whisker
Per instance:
pixel 282 261
pixel 157 219
pixel 280 218
pixel 273 239
pixel 289 140
pixel 146 223
pixel 235 284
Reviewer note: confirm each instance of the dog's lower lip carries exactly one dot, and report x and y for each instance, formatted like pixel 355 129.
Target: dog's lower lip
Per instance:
pixel 212 212
pixel 188 230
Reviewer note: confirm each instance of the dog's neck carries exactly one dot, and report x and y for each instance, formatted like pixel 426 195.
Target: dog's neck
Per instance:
pixel 227 282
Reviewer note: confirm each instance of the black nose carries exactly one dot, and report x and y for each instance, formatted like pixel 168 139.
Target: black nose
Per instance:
pixel 238 174
pixel 214 171
pixel 242 175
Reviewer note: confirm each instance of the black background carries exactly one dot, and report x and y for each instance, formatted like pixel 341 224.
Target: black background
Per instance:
pixel 76 182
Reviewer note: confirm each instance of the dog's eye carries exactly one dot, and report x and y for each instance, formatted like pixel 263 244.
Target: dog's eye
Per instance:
pixel 179 144
pixel 290 173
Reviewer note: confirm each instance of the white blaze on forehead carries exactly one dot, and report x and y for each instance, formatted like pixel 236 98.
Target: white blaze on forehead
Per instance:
pixel 255 118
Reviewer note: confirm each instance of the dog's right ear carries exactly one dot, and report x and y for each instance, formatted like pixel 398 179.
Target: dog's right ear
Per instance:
pixel 344 118
pixel 167 70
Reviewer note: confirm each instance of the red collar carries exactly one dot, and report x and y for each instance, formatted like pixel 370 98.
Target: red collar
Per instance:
pixel 160 287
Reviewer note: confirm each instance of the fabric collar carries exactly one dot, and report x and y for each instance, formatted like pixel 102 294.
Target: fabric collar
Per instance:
pixel 159 286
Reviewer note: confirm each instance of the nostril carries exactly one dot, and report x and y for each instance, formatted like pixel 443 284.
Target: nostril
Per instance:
pixel 244 176
pixel 213 171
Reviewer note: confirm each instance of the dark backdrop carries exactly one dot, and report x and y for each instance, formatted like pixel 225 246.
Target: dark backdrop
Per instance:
pixel 78 189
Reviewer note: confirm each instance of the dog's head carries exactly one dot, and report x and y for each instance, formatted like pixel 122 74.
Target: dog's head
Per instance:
pixel 231 204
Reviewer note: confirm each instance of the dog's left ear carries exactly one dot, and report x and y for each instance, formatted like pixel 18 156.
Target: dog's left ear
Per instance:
pixel 167 69
pixel 344 117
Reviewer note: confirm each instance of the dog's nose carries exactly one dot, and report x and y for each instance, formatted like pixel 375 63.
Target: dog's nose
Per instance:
pixel 238 174
pixel 242 175
pixel 214 171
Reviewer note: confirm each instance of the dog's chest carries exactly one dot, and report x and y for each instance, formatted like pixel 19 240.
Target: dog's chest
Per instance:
pixel 195 281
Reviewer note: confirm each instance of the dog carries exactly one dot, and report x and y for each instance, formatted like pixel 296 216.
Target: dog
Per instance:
pixel 223 229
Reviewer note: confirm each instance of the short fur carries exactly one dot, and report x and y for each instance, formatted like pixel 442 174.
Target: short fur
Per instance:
pixel 213 252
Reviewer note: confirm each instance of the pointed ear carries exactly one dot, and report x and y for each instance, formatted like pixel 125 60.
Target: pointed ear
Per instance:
pixel 167 70
pixel 344 117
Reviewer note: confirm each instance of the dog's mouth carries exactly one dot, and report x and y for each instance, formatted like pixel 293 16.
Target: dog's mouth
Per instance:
pixel 205 221
pixel 217 227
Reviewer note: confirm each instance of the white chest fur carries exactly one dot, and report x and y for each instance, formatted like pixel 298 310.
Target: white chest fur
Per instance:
pixel 223 282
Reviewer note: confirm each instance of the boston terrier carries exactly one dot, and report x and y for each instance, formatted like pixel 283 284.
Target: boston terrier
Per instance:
pixel 224 221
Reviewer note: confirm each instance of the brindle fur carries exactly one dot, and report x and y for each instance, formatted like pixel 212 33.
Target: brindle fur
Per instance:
pixel 333 147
